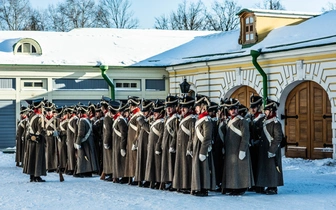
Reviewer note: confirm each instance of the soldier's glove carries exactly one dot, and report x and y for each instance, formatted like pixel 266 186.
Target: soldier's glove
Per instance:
pixel 134 147
pixel 123 152
pixel 271 155
pixel 77 146
pixel 202 157
pixel 241 155
pixel 171 150
pixel 106 146
pixel 189 153
pixel 157 152
pixel 223 151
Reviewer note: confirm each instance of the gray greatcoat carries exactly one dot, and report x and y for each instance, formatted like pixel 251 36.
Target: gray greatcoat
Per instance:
pixel 107 141
pixel 183 169
pixel 142 143
pixel 153 164
pixel 169 141
pixel 34 161
pixel 86 155
pixel 20 140
pixel 97 128
pixel 119 142
pixel 271 136
pixel 237 174
pixel 62 147
pixel 70 140
pixel 131 140
pixel 51 143
pixel 203 172
pixel 255 127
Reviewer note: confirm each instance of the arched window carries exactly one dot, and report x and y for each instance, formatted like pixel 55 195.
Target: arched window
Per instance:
pixel 27 46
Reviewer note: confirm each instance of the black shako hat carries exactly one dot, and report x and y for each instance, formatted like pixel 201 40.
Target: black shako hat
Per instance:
pixel 213 107
pixel 134 100
pixel 146 105
pixel 187 101
pixel 271 105
pixel 202 100
pixel 158 106
pixel 255 101
pixel 171 101
pixel 231 103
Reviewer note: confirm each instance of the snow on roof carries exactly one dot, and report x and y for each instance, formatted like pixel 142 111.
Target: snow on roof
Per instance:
pixel 94 46
pixel 150 47
pixel 279 13
pixel 319 30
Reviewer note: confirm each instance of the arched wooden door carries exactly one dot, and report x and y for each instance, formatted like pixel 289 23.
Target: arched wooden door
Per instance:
pixel 308 122
pixel 243 94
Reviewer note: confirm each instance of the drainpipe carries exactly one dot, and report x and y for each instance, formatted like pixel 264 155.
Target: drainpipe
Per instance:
pixel 255 54
pixel 103 68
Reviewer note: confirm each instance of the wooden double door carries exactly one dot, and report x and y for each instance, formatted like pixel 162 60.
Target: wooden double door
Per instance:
pixel 308 122
pixel 243 94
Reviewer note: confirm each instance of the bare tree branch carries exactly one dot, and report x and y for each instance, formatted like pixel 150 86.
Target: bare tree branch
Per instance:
pixel 224 16
pixel 271 5
pixel 14 14
pixel 116 14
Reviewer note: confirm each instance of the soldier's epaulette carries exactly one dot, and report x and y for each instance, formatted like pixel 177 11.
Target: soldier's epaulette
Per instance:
pixel 240 117
pixel 207 118
pixel 276 120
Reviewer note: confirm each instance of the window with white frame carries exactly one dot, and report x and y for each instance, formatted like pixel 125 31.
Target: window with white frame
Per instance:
pixel 34 84
pixel 27 46
pixel 127 84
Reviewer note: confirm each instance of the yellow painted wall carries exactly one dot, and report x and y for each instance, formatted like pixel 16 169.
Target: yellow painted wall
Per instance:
pixel 265 24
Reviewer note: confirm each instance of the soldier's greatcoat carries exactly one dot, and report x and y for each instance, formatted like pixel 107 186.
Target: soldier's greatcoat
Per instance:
pixel 140 168
pixel 169 141
pixel 21 140
pixel 86 155
pixel 183 169
pixel 34 161
pixel 237 174
pixel 203 172
pixel 107 141
pixel 271 136
pixel 255 127
pixel 217 145
pixel 51 143
pixel 153 164
pixel 97 127
pixel 62 147
pixel 131 140
pixel 71 137
pixel 119 136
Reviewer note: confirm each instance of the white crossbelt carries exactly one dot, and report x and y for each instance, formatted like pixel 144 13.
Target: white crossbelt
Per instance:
pixel 169 129
pixel 198 132
pixel 30 123
pixel 115 122
pixel 220 132
pixel 89 131
pixel 234 129
pixel 267 134
pixel 154 129
pixel 69 125
pixel 62 124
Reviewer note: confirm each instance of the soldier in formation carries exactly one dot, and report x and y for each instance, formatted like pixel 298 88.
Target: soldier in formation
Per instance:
pixel 191 145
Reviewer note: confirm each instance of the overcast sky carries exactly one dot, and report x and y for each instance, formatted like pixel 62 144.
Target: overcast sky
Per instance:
pixel 147 10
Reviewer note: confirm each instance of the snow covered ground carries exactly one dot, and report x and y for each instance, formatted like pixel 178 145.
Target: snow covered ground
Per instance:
pixel 309 184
